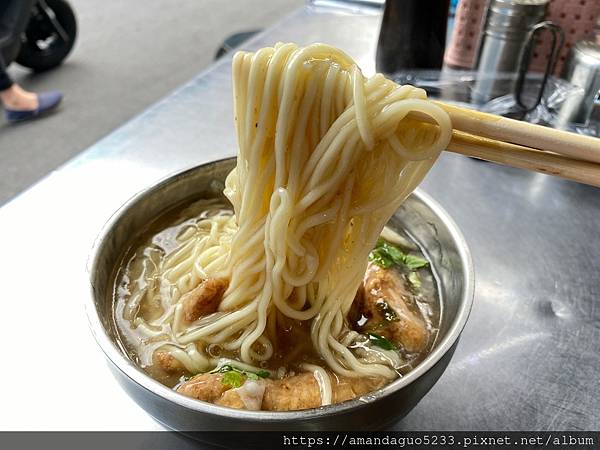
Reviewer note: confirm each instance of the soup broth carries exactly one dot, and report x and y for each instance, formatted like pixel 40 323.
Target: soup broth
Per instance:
pixel 394 318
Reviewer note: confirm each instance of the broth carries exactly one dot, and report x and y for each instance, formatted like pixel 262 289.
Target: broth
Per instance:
pixel 139 303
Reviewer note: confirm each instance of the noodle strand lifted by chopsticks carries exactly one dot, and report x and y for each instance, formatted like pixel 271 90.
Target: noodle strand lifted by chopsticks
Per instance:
pixel 326 157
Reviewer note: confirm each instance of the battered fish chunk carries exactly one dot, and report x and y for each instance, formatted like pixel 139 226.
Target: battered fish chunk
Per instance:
pixel 350 388
pixel 288 394
pixel 231 399
pixel 292 393
pixel 207 387
pixel 166 361
pixel 302 391
pixel 385 301
pixel 249 396
pixel 204 299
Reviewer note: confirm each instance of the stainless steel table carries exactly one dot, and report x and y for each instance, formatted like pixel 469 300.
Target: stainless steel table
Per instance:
pixel 528 359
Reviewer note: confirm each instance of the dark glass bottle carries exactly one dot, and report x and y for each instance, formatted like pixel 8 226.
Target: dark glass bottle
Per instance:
pixel 412 35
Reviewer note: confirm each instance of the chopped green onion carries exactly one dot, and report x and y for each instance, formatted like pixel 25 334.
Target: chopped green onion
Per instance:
pixel 385 255
pixel 233 379
pixel 380 258
pixel 381 342
pixel 415 280
pixel 263 373
pixel 241 375
pixel 222 369
pixel 414 262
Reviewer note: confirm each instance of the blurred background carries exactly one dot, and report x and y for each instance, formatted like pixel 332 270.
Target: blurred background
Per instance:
pixel 127 56
pixel 533 60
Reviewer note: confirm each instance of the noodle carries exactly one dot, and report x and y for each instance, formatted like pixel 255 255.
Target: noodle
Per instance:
pixel 325 158
pixel 324 382
pixel 319 208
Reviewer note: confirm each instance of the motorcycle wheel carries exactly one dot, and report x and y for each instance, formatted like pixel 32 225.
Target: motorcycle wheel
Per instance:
pixel 42 47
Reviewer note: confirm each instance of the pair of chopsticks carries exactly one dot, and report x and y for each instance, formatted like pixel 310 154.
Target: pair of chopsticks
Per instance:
pixel 524 145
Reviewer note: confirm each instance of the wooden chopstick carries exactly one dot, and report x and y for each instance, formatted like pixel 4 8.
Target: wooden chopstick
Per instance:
pixel 525 158
pixel 523 145
pixel 525 134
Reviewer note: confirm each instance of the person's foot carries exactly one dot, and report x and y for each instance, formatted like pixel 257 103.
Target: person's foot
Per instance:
pixel 20 105
pixel 15 98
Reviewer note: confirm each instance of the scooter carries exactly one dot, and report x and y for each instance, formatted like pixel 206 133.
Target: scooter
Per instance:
pixel 37 34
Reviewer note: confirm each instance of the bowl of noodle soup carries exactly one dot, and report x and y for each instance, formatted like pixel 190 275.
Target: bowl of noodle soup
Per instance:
pixel 303 284
pixel 420 217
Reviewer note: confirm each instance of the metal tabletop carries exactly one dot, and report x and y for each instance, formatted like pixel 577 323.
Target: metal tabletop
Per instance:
pixel 529 357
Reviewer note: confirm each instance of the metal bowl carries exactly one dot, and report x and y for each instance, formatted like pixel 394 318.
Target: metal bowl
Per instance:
pixel 424 220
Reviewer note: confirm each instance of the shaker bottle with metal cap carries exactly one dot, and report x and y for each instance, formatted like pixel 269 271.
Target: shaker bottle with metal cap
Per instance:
pixel 582 69
pixel 506 47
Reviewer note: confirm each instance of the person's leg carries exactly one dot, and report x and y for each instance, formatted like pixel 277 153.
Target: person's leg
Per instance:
pixel 5 80
pixel 18 103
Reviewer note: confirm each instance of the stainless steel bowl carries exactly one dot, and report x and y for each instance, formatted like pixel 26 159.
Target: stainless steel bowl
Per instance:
pixel 422 217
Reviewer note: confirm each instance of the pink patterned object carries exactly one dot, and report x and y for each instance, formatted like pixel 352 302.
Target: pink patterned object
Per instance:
pixel 577 18
pixel 468 24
